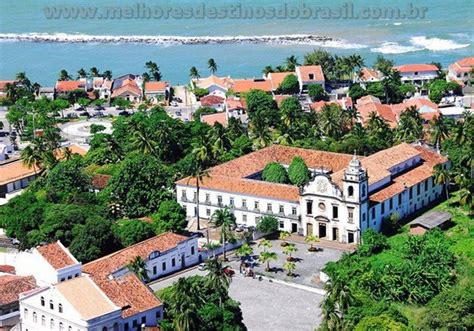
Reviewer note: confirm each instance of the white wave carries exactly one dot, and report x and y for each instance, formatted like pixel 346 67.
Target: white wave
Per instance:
pixel 397 23
pixel 305 39
pixel 342 44
pixel 436 44
pixel 394 48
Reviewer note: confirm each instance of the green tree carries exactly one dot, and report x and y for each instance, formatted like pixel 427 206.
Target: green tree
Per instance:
pixel 216 277
pixel 64 75
pixel 439 131
pixel 81 73
pixel 138 267
pixel 383 65
pixel 267 224
pixel 291 63
pixel 266 257
pixel 356 92
pixel 274 172
pixel 212 65
pixel 316 92
pixel 290 267
pixel 170 217
pixel 382 322
pixel 225 219
pixel 97 128
pixel 311 239
pixel 298 171
pixel 194 73
pixel 153 70
pixel 410 126
pixel 289 85
pixel 130 232
pixel 289 250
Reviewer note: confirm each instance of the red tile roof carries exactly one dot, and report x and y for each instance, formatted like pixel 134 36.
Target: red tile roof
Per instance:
pixel 128 291
pixel 463 65
pixel 211 100
pixel 9 269
pixel 57 255
pixel 70 85
pixel 246 85
pixel 128 86
pixel 416 67
pixel 212 119
pixel 277 78
pixel 304 72
pixel 156 86
pixel 233 103
pixel 12 286
pixel 369 75
pixel 429 109
pixel 3 84
pixel 223 82
pixel 16 170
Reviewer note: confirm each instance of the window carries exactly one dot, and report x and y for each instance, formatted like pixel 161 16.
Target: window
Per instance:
pixel 25 313
pixel 208 197
pixel 144 320
pixel 363 217
pixel 69 328
pixel 158 315
pixel 60 308
pixel 335 212
pixel 256 205
pixel 311 76
pixel 219 200
pixel 350 212
pixel 69 277
pixel 309 207
pixel 418 188
pixel 208 212
pixel 411 192
pixel 350 191
pixel 126 327
pixel 194 196
pixel 269 207
pixel 42 301
pixel 390 203
pixel 61 326
pixel 183 195
pixel 173 262
pixel 231 201
pixel 134 323
pixel 51 324
pixel 400 199
pixel 383 207
pixel 76 275
pixel 281 209
pixel 281 224
pixel 363 190
pixel 322 206
pixel 244 203
pixel 293 210
pixel 373 212
pixel 63 279
pixel 154 270
pixel 43 320
pixel 192 250
pixel 244 218
pixel 163 265
pixel 51 305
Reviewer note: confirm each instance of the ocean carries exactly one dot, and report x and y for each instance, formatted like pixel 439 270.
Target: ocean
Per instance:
pixel 177 35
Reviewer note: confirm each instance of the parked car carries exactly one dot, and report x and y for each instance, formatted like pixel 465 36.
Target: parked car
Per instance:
pixel 202 267
pixel 80 109
pixel 86 114
pixel 71 115
pixel 3 133
pixel 98 114
pixel 98 107
pixel 178 113
pixel 124 113
pixel 229 271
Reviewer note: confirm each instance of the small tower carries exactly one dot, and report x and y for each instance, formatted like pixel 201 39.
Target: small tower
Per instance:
pixel 355 181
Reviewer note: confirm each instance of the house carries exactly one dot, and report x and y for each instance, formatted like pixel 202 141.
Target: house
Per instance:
pixel 345 103
pixel 3 87
pixel 276 78
pixel 103 87
pixel 370 104
pixel 367 75
pixel 246 85
pixel 212 119
pixel 309 75
pixel 46 92
pixel 127 87
pixel 14 176
pixel 417 74
pixel 11 286
pixel 428 110
pixel 157 91
pixel 63 87
pixel 213 101
pixel 103 294
pixel 215 85
pixel 234 106
pixel 345 196
pixel 429 221
pixel 461 71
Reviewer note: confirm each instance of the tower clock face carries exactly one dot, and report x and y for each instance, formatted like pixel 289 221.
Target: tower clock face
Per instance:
pixel 321 185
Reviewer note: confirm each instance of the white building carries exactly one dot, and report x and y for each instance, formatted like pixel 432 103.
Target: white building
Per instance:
pixel 308 75
pixel 102 294
pixel 417 74
pixel 157 91
pixel 215 85
pixel 461 71
pixel 345 196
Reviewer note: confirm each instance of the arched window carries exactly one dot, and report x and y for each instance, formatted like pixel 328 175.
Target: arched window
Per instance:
pixel 51 304
pixel 43 320
pixel 35 317
pixel 60 308
pixel 25 313
pixel 51 324
pixel 104 328
pixel 116 327
pixel 350 191
pixel 61 327
pixel 42 301
pixel 363 190
pixel 69 328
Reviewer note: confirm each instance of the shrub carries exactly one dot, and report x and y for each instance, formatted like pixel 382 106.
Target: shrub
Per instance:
pixel 372 243
pixel 275 173
pixel 267 224
pixel 289 85
pixel 382 322
pixel 316 92
pixel 298 172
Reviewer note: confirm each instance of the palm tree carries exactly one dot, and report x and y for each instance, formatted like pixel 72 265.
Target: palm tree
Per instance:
pixel 81 73
pixel 138 267
pixel 267 70
pixel 289 267
pixel 439 131
pixel 442 177
pixel 94 72
pixel 64 75
pixel 244 251
pixel 260 133
pixel 200 158
pixel 154 70
pixel 212 65
pixel 311 239
pixel 219 140
pixel 186 299
pixel 144 141
pixel 291 63
pixel 194 73
pixel 283 236
pixel 289 250
pixel 31 158
pixel 266 244
pixel 410 126
pixel 107 74
pixel 266 257
pixel 336 303
pixel 216 277
pixel 225 219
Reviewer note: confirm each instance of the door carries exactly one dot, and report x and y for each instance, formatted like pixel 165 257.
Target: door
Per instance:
pixel 309 229
pixel 335 234
pixel 322 230
pixel 294 227
pixel 350 237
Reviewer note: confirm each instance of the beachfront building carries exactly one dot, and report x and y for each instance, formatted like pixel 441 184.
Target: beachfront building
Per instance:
pixel 417 74
pixel 215 85
pixel 127 87
pixel 3 87
pixel 103 87
pixel 157 91
pixel 246 85
pixel 46 92
pixel 461 71
pixel 213 101
pixel 309 75
pixel 276 78
pixel 366 76
pixel 345 196
pixel 63 87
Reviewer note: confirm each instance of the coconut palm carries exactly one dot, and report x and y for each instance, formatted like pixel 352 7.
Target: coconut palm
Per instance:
pixel 81 73
pixel 291 63
pixel 143 141
pixel 216 277
pixel 94 72
pixel 107 74
pixel 200 158
pixel 154 70
pixel 260 133
pixel 289 267
pixel 289 250
pixel 311 240
pixel 219 141
pixel 64 75
pixel 266 244
pixel 442 177
pixel 244 251
pixel 224 219
pixel 194 73
pixel 438 130
pixel 410 126
pixel 212 65
pixel 185 300
pixel 31 157
pixel 138 267
pixel 266 257
pixel 283 236
pixel 267 70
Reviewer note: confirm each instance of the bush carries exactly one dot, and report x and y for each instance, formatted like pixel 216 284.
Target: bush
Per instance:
pixel 391 225
pixel 200 92
pixel 267 224
pixel 97 128
pixel 131 232
pixel 356 92
pixel 382 322
pixel 275 173
pixel 316 92
pixel 289 85
pixel 298 172
pixel 372 243
pixel 170 217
